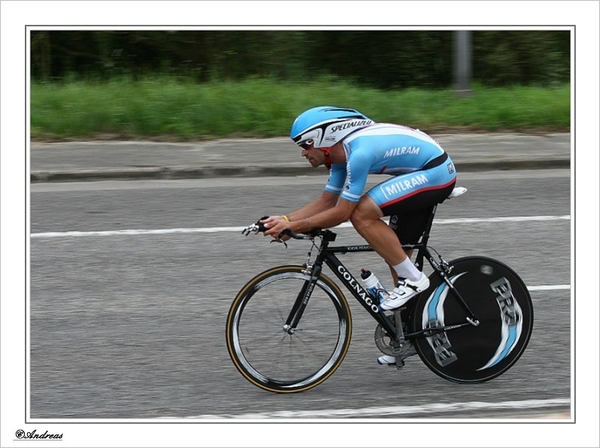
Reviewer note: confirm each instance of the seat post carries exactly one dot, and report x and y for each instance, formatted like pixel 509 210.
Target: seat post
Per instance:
pixel 422 245
pixel 425 237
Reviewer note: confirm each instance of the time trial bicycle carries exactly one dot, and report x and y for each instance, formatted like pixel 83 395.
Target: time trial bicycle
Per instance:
pixel 289 328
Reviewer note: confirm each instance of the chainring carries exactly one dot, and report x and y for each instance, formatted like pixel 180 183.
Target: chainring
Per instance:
pixel 388 346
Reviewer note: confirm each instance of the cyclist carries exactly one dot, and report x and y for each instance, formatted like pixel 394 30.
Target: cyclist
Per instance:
pixel 352 146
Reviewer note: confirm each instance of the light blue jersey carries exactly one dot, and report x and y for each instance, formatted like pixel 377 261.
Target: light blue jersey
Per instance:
pixel 394 150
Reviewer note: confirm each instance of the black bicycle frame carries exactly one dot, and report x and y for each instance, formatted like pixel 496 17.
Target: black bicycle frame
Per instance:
pixel 328 256
pixel 354 285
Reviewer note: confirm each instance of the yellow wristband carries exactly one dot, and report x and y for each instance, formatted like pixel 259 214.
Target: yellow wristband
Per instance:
pixel 286 218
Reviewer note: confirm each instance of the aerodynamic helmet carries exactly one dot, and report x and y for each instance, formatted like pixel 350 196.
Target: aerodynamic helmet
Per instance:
pixel 324 126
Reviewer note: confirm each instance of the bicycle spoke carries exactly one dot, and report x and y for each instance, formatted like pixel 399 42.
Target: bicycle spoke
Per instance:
pixel 280 358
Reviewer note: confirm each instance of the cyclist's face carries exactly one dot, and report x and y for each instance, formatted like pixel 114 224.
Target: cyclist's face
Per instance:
pixel 315 156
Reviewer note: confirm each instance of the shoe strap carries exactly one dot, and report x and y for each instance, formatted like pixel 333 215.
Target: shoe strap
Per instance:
pixel 405 284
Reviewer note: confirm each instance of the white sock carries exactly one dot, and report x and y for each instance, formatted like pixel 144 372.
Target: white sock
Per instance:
pixel 408 270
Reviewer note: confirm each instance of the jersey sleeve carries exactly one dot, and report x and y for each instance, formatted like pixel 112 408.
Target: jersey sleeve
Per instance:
pixel 357 171
pixel 337 177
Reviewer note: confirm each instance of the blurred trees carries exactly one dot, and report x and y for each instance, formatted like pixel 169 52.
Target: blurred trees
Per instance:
pixel 381 59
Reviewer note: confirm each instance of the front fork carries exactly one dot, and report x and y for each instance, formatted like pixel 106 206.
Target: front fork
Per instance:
pixel 301 301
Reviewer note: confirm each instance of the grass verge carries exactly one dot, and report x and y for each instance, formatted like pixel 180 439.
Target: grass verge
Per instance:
pixel 169 109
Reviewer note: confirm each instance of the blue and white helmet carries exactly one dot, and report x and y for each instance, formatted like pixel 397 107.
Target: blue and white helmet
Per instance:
pixel 324 126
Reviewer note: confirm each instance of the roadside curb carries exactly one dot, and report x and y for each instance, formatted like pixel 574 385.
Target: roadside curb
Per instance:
pixel 207 172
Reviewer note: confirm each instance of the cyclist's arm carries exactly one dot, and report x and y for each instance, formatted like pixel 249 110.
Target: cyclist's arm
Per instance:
pixel 327 211
pixel 355 173
pixel 327 201
pixel 276 224
pixel 326 218
pixel 300 223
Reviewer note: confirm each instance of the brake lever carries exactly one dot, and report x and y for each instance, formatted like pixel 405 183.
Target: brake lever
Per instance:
pixel 253 228
pixel 256 227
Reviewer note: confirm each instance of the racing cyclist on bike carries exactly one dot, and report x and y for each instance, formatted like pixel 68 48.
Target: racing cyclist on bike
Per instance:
pixel 352 146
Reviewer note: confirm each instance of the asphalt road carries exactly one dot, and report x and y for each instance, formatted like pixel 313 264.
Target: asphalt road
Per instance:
pixel 130 284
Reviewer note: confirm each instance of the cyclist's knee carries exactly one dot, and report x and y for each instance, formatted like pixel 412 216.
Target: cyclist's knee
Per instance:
pixel 365 213
pixel 357 221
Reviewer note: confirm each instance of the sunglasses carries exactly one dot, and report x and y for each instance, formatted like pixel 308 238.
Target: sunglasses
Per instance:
pixel 306 144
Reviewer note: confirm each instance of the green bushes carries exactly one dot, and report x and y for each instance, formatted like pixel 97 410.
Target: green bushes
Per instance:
pixel 378 58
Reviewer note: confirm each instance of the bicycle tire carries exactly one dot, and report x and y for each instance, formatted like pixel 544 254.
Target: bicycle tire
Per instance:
pixel 270 357
pixel 501 303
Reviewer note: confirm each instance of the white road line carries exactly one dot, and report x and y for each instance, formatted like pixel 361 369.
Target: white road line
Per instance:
pixel 399 411
pixel 136 232
pixel 548 287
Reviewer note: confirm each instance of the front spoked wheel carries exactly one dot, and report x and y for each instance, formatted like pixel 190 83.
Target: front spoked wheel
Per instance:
pixel 500 301
pixel 285 334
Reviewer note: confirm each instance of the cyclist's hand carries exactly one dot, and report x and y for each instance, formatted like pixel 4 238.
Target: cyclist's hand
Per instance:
pixel 275 225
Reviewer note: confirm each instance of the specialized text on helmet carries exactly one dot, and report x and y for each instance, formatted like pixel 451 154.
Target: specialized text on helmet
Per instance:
pixel 351 124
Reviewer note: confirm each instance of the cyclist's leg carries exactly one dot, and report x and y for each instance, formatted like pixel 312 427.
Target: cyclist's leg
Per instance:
pixel 383 239
pixel 406 199
pixel 409 208
pixel 409 196
pixel 366 220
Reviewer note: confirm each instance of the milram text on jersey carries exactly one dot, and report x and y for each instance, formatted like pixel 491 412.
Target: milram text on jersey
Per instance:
pixel 380 149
